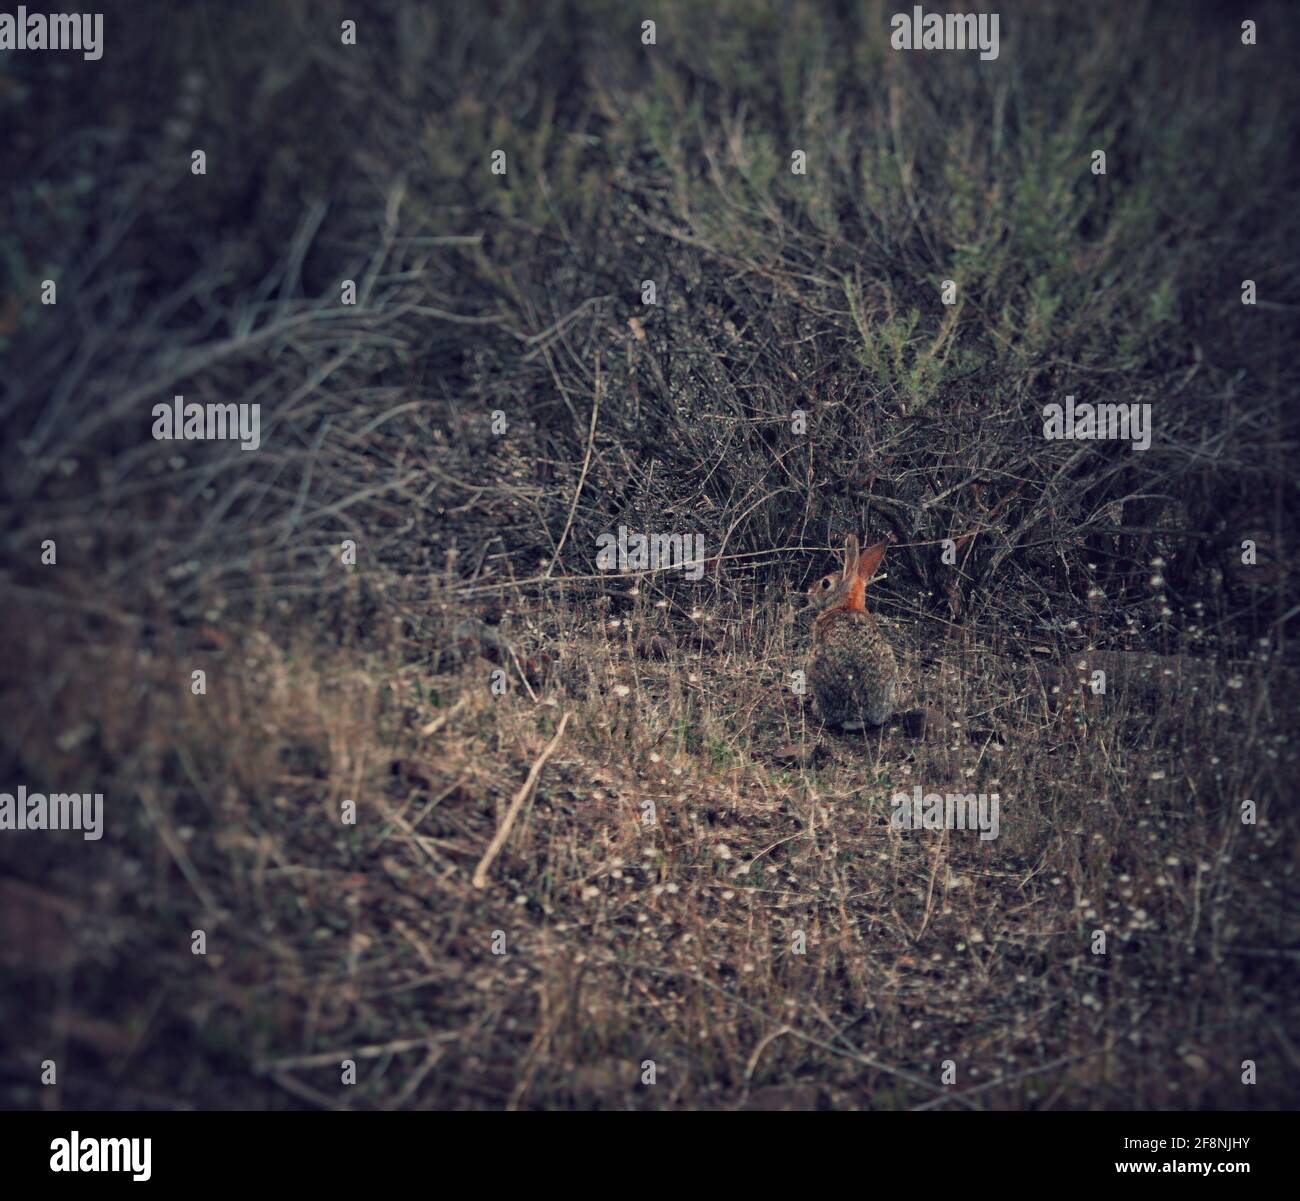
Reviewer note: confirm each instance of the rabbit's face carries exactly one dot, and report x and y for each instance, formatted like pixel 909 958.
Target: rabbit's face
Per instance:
pixel 828 592
pixel 846 588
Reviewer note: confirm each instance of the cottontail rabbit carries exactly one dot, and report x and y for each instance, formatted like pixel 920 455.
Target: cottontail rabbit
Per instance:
pixel 852 670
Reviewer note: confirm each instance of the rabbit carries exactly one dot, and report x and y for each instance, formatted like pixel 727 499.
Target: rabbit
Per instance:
pixel 853 672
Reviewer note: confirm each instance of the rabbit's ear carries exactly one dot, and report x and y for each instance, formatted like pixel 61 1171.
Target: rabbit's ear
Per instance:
pixel 868 563
pixel 850 556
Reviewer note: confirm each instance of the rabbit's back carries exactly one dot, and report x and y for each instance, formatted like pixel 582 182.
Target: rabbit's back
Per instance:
pixel 853 672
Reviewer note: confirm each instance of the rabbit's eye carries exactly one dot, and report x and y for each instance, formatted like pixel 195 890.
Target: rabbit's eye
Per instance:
pixel 826 583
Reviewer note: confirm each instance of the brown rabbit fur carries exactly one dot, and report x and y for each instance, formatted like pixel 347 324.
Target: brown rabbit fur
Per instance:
pixel 852 670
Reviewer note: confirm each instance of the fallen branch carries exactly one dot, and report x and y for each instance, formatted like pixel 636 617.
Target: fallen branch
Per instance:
pixel 507 823
pixel 441 720
pixel 326 1059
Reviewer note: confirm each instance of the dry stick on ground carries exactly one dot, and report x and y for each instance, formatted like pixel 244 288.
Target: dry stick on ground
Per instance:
pixel 503 831
pixel 586 464
pixel 438 722
pixel 757 1054
pixel 325 1059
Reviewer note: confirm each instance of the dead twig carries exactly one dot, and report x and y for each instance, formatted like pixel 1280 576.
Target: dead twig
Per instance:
pixel 507 823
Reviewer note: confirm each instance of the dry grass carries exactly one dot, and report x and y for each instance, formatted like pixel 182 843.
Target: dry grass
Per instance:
pixel 671 941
